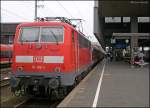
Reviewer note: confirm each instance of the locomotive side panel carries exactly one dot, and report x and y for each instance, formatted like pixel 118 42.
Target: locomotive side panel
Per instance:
pixel 84 53
pixel 69 51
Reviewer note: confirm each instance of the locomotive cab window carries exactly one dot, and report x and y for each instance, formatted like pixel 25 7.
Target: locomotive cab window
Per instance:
pixel 41 34
pixel 52 34
pixel 29 34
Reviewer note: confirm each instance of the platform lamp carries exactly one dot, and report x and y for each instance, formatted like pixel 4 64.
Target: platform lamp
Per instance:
pixel 126 41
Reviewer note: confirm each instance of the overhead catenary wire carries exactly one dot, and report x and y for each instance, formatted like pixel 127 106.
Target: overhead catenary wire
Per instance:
pixel 48 8
pixel 10 12
pixel 38 12
pixel 65 9
pixel 36 8
pixel 69 12
pixel 81 16
pixel 51 10
pixel 17 15
pixel 80 13
pixel 29 6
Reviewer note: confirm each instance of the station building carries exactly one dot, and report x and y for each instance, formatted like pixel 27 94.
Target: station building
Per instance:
pixel 8 32
pixel 122 25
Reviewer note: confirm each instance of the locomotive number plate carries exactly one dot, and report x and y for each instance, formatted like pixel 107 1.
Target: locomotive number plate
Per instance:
pixel 38 59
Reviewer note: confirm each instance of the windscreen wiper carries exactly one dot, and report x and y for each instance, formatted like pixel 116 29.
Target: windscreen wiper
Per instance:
pixel 21 41
pixel 54 36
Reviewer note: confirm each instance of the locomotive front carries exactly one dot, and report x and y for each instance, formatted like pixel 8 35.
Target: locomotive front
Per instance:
pixel 38 58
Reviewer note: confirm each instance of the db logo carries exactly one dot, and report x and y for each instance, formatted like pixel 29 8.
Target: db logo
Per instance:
pixel 38 59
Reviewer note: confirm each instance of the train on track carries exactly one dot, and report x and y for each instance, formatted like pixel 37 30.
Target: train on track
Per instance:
pixel 50 55
pixel 5 54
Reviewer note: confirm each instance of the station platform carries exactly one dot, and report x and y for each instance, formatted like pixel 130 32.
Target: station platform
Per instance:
pixel 111 84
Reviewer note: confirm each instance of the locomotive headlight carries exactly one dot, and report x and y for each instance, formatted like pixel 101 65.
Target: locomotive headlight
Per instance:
pixel 57 69
pixel 20 68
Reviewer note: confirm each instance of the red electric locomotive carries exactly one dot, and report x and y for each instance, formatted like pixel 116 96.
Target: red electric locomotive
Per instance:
pixel 5 54
pixel 48 55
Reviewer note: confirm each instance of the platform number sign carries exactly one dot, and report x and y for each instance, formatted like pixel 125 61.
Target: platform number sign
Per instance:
pixel 38 59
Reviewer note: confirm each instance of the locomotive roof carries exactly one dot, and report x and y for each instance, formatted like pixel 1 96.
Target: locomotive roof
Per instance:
pixel 45 24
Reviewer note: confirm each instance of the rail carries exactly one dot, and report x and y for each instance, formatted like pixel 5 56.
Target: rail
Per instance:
pixel 5 70
pixel 4 83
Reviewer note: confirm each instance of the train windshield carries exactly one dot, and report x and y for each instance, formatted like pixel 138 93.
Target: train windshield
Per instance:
pixel 29 34
pixel 42 34
pixel 52 34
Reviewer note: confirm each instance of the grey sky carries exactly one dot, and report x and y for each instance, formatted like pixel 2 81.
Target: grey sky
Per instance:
pixel 23 11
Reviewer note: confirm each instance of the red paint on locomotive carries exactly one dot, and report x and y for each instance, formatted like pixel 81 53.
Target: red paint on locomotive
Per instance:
pixel 62 58
pixel 65 49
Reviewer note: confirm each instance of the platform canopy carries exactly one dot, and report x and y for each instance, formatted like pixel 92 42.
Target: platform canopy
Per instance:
pixel 138 8
pixel 119 10
pixel 128 35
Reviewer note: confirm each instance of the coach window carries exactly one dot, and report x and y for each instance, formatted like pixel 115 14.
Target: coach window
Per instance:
pixel 2 54
pixel 72 36
pixel 52 34
pixel 29 34
pixel 81 44
pixel 5 54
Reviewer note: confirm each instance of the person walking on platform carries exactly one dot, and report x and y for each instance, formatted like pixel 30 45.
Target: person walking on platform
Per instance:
pixel 139 60
pixel 108 57
pixel 141 55
pixel 111 57
pixel 136 60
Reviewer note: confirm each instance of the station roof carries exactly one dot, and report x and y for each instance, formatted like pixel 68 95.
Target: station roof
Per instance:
pixel 138 8
pixel 113 16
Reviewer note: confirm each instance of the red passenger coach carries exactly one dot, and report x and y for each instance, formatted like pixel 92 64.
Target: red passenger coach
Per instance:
pixel 6 53
pixel 48 55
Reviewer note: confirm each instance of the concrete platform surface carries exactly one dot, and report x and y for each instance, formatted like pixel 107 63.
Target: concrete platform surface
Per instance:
pixel 111 84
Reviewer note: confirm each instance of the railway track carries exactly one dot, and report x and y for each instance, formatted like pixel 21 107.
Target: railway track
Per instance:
pixel 4 83
pixel 31 102
pixel 5 65
pixel 37 103
pixel 5 70
pixel 5 80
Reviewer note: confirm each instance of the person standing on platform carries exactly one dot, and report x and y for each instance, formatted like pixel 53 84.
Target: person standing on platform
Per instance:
pixel 141 56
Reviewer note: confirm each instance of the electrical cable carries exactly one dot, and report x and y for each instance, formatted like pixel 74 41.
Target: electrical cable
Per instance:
pixel 64 9
pixel 81 16
pixel 51 11
pixel 8 11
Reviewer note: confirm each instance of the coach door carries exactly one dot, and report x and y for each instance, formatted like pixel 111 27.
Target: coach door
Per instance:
pixel 76 50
